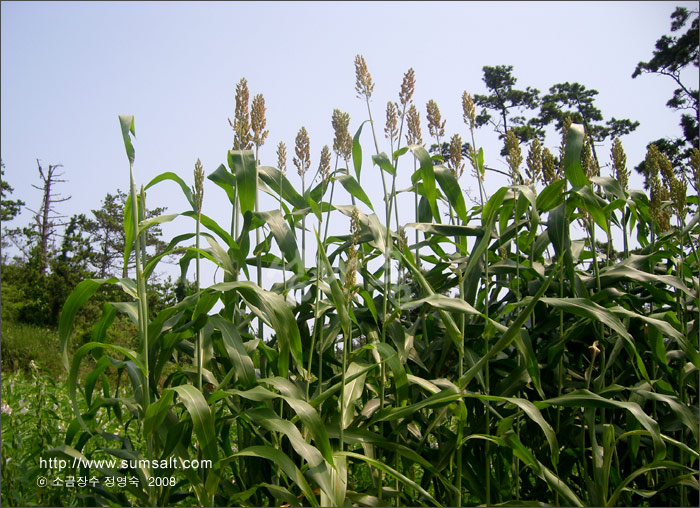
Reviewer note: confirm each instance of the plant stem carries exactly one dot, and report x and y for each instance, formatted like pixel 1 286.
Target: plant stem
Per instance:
pixel 258 259
pixel 387 267
pixel 139 249
pixel 199 332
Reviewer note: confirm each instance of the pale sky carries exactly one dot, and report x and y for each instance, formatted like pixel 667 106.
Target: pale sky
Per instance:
pixel 68 69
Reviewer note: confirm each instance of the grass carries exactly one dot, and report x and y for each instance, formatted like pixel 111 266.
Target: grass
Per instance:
pixel 23 343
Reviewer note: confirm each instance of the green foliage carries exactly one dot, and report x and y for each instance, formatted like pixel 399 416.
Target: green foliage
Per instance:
pixel 8 208
pixel 510 361
pixel 575 101
pixel 506 101
pixel 671 55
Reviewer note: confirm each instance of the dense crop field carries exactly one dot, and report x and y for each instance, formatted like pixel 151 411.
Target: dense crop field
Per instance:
pixel 510 352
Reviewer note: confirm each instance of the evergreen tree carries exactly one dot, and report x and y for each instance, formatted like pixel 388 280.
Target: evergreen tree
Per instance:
pixel 673 54
pixel 504 106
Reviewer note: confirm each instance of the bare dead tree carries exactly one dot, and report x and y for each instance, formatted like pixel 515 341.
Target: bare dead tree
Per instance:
pixel 46 217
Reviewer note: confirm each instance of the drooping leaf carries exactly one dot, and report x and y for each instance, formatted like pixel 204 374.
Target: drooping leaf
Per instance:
pixel 572 156
pixel 242 164
pixel 354 189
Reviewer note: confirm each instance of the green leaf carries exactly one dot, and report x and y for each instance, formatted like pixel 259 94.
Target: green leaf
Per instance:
pixel 202 420
pixel 278 182
pixel 552 480
pixel 682 412
pixel 445 229
pixel 129 230
pixel 220 255
pixel 75 367
pixel 339 299
pixel 551 196
pixel 572 156
pixel 156 413
pixel 357 151
pixel 160 219
pixel 281 460
pixel 446 396
pixel 279 315
pixel 534 414
pixel 594 205
pixel 242 164
pixel 508 336
pixel 656 465
pixel 226 180
pixel 127 125
pixel 393 473
pixel 242 362
pixel 284 238
pixel 442 302
pixel 588 309
pixel 406 257
pixel 81 294
pixel 400 380
pixel 492 206
pixel 382 160
pixel 354 189
pixel 450 186
pixel 428 175
pixel 585 398
pixel 169 175
pixel 318 467
pixel 353 391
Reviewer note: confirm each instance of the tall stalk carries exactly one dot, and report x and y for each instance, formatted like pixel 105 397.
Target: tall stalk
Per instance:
pixel 282 166
pixel 487 406
pixel 324 169
pixel 302 161
pixel 414 137
pixel 139 246
pixel 198 198
pixel 364 86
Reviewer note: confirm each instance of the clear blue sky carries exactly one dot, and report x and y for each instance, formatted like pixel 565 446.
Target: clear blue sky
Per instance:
pixel 69 68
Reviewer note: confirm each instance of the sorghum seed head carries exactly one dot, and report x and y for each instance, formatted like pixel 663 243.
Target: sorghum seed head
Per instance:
pixel 258 121
pixel 355 226
pixel 363 79
pixel 514 157
pixel 549 171
pixel 302 161
pixel 656 190
pixel 198 185
pixel 391 129
pixel 695 167
pixel 282 157
pixel 456 154
pixel 436 125
pixel 666 169
pixel 241 122
pixel 562 148
pixel 679 190
pixel 346 151
pixel 587 160
pixel 324 165
pixel 340 122
pixel 468 109
pixel 534 162
pixel 414 136
pixel 619 162
pixel 407 87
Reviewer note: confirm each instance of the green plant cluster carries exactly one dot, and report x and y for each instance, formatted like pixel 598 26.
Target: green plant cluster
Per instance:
pixel 495 359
